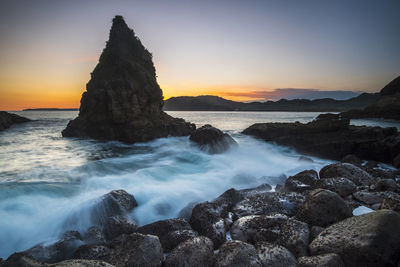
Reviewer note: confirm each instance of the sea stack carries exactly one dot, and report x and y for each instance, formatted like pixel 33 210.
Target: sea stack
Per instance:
pixel 123 100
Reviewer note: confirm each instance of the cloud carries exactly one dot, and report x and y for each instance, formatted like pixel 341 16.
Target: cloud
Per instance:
pixel 292 93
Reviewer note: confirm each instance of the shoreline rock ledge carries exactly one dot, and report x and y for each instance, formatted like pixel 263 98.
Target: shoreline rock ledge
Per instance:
pixel 123 100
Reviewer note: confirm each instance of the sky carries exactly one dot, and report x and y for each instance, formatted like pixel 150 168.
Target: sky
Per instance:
pixel 240 50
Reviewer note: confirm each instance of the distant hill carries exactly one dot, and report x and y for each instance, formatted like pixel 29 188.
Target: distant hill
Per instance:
pixel 216 103
pixel 386 106
pixel 50 109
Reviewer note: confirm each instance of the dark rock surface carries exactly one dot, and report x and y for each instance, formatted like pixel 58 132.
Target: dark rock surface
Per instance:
pixel 322 208
pixel 349 171
pixel 123 100
pixel 8 119
pixel 135 250
pixel 170 232
pixel 212 140
pixel 326 260
pixel 274 228
pixel 339 185
pixel 237 253
pixel 331 136
pixel 91 252
pixel 371 239
pixel 196 251
pixel 301 182
pixel 118 225
pixel 273 255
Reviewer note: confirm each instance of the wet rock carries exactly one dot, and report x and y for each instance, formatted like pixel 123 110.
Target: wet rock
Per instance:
pixel 371 239
pixel 315 231
pixel 305 159
pixel 21 259
pixel 385 185
pixel 391 202
pixel 322 208
pixel 371 198
pixel 135 250
pixel 237 253
pixel 94 236
pixel 282 202
pixel 118 225
pixel 273 255
pixel 114 203
pixel 352 159
pixel 81 263
pixel 91 252
pixel 396 161
pixel 212 139
pixel 274 228
pixel 326 260
pixel 339 185
pixel 197 251
pixel 8 119
pixel 186 212
pixel 301 182
pixel 164 228
pixel 61 250
pixel 349 171
pixel 123 100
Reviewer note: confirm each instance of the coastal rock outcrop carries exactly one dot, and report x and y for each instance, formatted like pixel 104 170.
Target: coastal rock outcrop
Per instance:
pixel 212 139
pixel 371 239
pixel 8 119
pixel 331 136
pixel 123 100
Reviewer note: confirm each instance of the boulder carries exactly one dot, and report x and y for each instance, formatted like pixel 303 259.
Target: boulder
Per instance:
pixel 371 239
pixel 91 252
pixel 322 208
pixel 301 182
pixel 123 100
pixel 237 253
pixel 257 204
pixel 212 140
pixel 94 236
pixel 81 263
pixel 273 228
pixel 197 251
pixel 273 255
pixel 135 250
pixel 8 119
pixel 352 159
pixel 371 198
pixel 326 260
pixel 186 212
pixel 61 250
pixel 118 225
pixel 385 185
pixel 391 202
pixel 347 170
pixel 21 259
pixel 339 185
pixel 170 232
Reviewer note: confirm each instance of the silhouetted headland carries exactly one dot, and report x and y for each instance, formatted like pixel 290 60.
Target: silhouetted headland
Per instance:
pixel 8 119
pixel 123 100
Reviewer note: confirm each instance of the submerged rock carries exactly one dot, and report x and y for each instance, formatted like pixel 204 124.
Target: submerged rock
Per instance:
pixel 123 100
pixel 371 239
pixel 212 139
pixel 8 119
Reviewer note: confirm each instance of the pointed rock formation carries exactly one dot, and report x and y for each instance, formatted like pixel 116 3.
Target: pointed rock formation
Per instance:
pixel 123 100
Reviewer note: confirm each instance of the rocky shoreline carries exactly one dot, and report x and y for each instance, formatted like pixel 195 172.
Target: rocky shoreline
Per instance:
pixel 314 219
pixel 8 119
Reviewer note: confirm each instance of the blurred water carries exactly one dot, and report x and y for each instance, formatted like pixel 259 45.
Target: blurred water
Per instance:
pixel 45 179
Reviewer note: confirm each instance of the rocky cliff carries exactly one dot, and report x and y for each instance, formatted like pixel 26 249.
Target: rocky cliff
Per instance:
pixel 387 105
pixel 123 100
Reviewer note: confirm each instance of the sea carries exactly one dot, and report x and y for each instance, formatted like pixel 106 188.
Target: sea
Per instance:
pixel 45 179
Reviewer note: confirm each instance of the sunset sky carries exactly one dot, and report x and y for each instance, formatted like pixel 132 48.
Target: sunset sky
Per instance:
pixel 240 50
